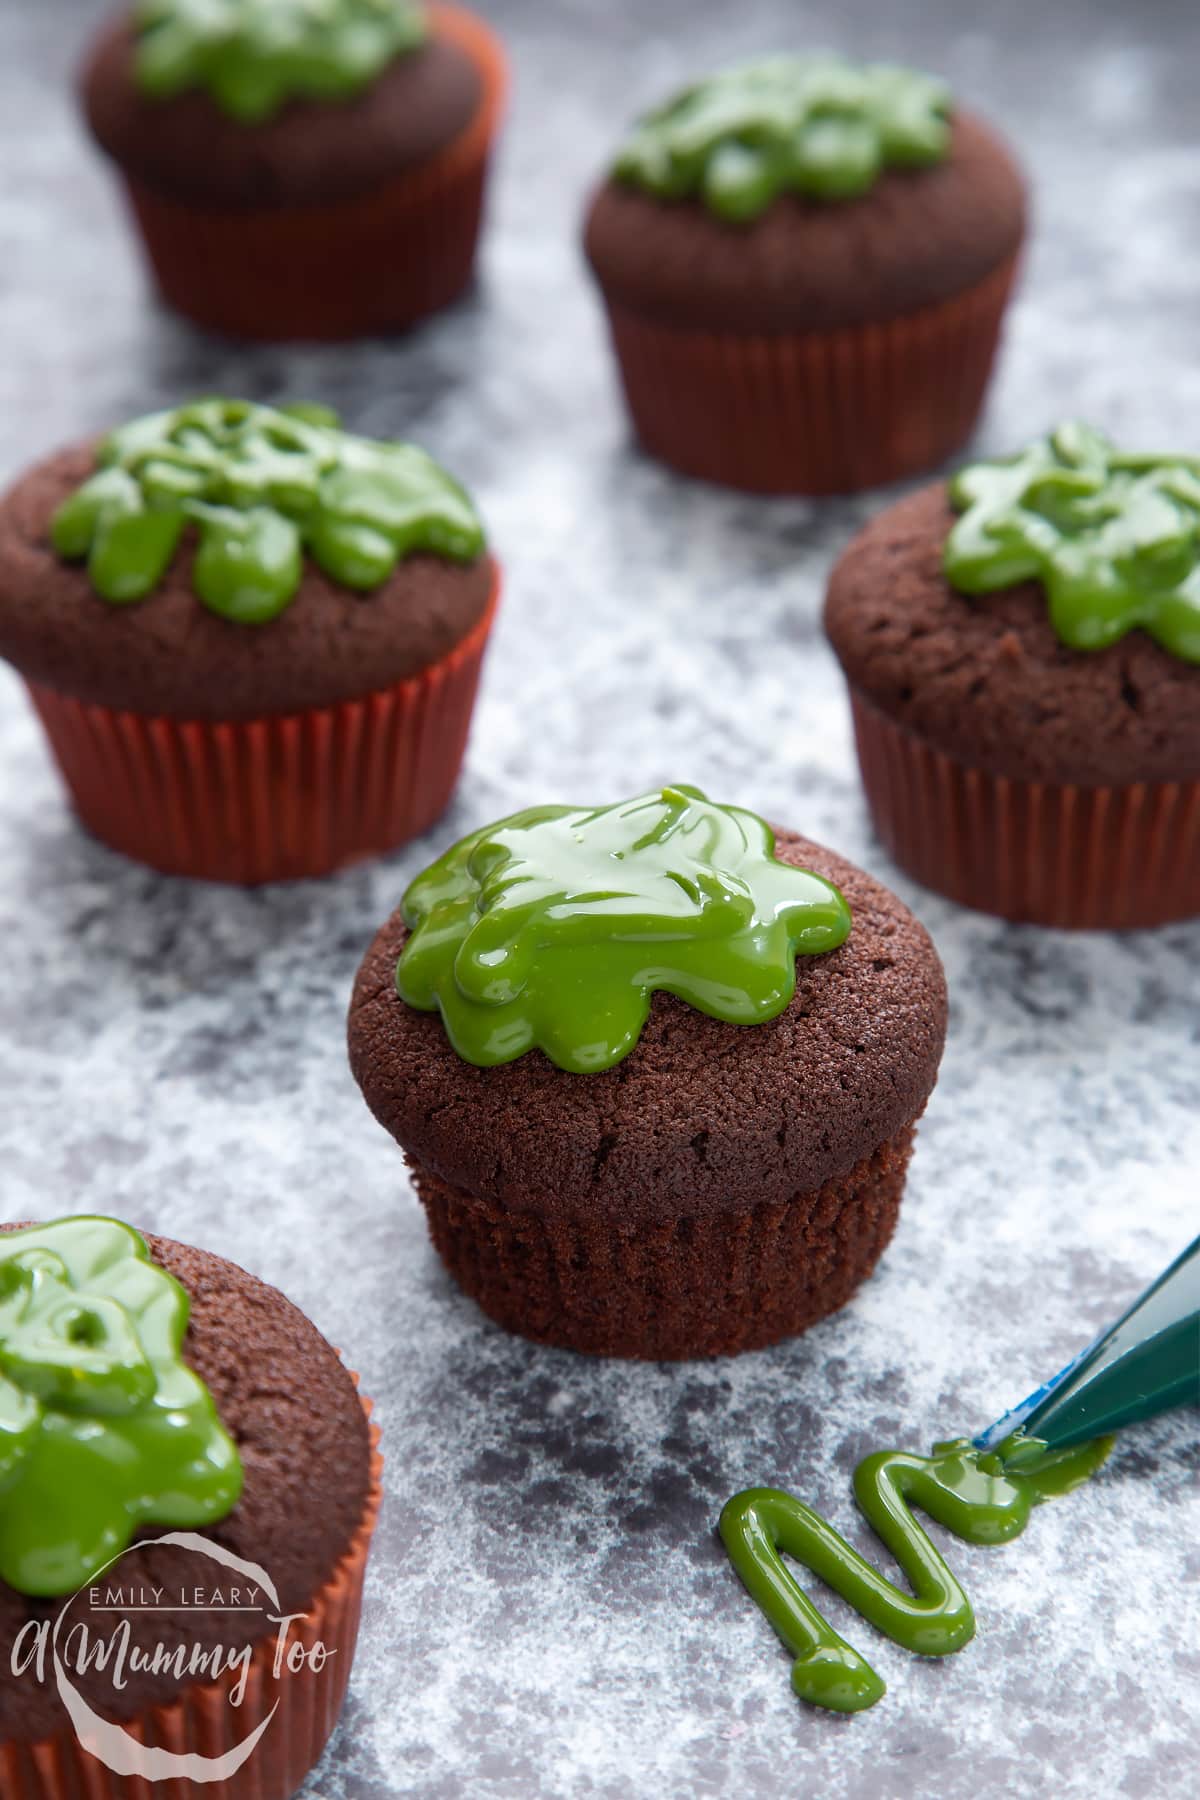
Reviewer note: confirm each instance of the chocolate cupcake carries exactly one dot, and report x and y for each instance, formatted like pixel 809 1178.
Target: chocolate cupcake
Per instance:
pixel 189 1486
pixel 805 262
pixel 300 171
pixel 656 1071
pixel 253 639
pixel 1022 649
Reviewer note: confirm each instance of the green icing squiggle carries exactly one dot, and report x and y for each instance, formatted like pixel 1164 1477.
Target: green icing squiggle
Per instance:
pixel 817 125
pixel 253 55
pixel 982 1497
pixel 103 1427
pixel 553 928
pixel 262 486
pixel 1113 536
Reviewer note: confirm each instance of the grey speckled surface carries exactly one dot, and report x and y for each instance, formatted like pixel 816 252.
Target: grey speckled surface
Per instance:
pixel 548 1612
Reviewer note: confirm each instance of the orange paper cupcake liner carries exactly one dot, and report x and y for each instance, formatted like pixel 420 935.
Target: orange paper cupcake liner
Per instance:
pixel 273 799
pixel 373 263
pixel 815 412
pixel 202 1721
pixel 1042 853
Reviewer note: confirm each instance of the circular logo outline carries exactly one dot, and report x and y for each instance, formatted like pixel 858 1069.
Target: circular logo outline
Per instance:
pixel 111 1744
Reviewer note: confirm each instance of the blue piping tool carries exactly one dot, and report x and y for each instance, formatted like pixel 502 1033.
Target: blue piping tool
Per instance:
pixel 1147 1362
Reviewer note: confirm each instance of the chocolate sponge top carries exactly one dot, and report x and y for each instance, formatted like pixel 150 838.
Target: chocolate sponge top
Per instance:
pixel 701 1117
pixel 988 680
pixel 310 153
pixel 919 236
pixel 168 654
pixel 292 1409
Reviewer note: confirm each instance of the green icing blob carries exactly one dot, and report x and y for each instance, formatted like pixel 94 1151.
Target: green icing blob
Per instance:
pixel 553 928
pixel 262 486
pixel 1113 536
pixel 983 1497
pixel 103 1427
pixel 817 125
pixel 253 55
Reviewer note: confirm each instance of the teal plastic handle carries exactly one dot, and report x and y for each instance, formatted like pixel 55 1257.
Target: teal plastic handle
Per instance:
pixel 1147 1363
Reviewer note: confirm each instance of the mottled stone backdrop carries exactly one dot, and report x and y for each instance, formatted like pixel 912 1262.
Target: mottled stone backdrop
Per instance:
pixel 549 1613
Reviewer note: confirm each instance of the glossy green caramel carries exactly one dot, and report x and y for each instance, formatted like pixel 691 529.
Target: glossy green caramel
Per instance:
pixel 263 487
pixel 983 1497
pixel 817 125
pixel 1113 536
pixel 553 928
pixel 251 56
pixel 103 1427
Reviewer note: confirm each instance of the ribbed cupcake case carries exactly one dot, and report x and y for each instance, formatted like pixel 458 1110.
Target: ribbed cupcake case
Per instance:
pixel 376 262
pixel 816 412
pixel 694 1285
pixel 202 1721
pixel 1044 853
pixel 273 799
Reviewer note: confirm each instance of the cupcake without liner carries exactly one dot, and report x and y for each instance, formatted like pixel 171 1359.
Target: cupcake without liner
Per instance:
pixel 253 640
pixel 657 1073
pixel 805 262
pixel 1022 650
pixel 299 172
pixel 247 1433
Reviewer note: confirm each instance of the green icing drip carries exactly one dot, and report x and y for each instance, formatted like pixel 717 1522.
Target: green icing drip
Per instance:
pixel 103 1427
pixel 1113 536
pixel 553 928
pixel 982 1497
pixel 253 55
pixel 816 125
pixel 261 486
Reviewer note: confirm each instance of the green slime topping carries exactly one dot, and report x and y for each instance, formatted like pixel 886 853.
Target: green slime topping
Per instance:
pixel 261 486
pixel 103 1427
pixel 983 1497
pixel 252 55
pixel 816 125
pixel 1113 536
pixel 553 928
